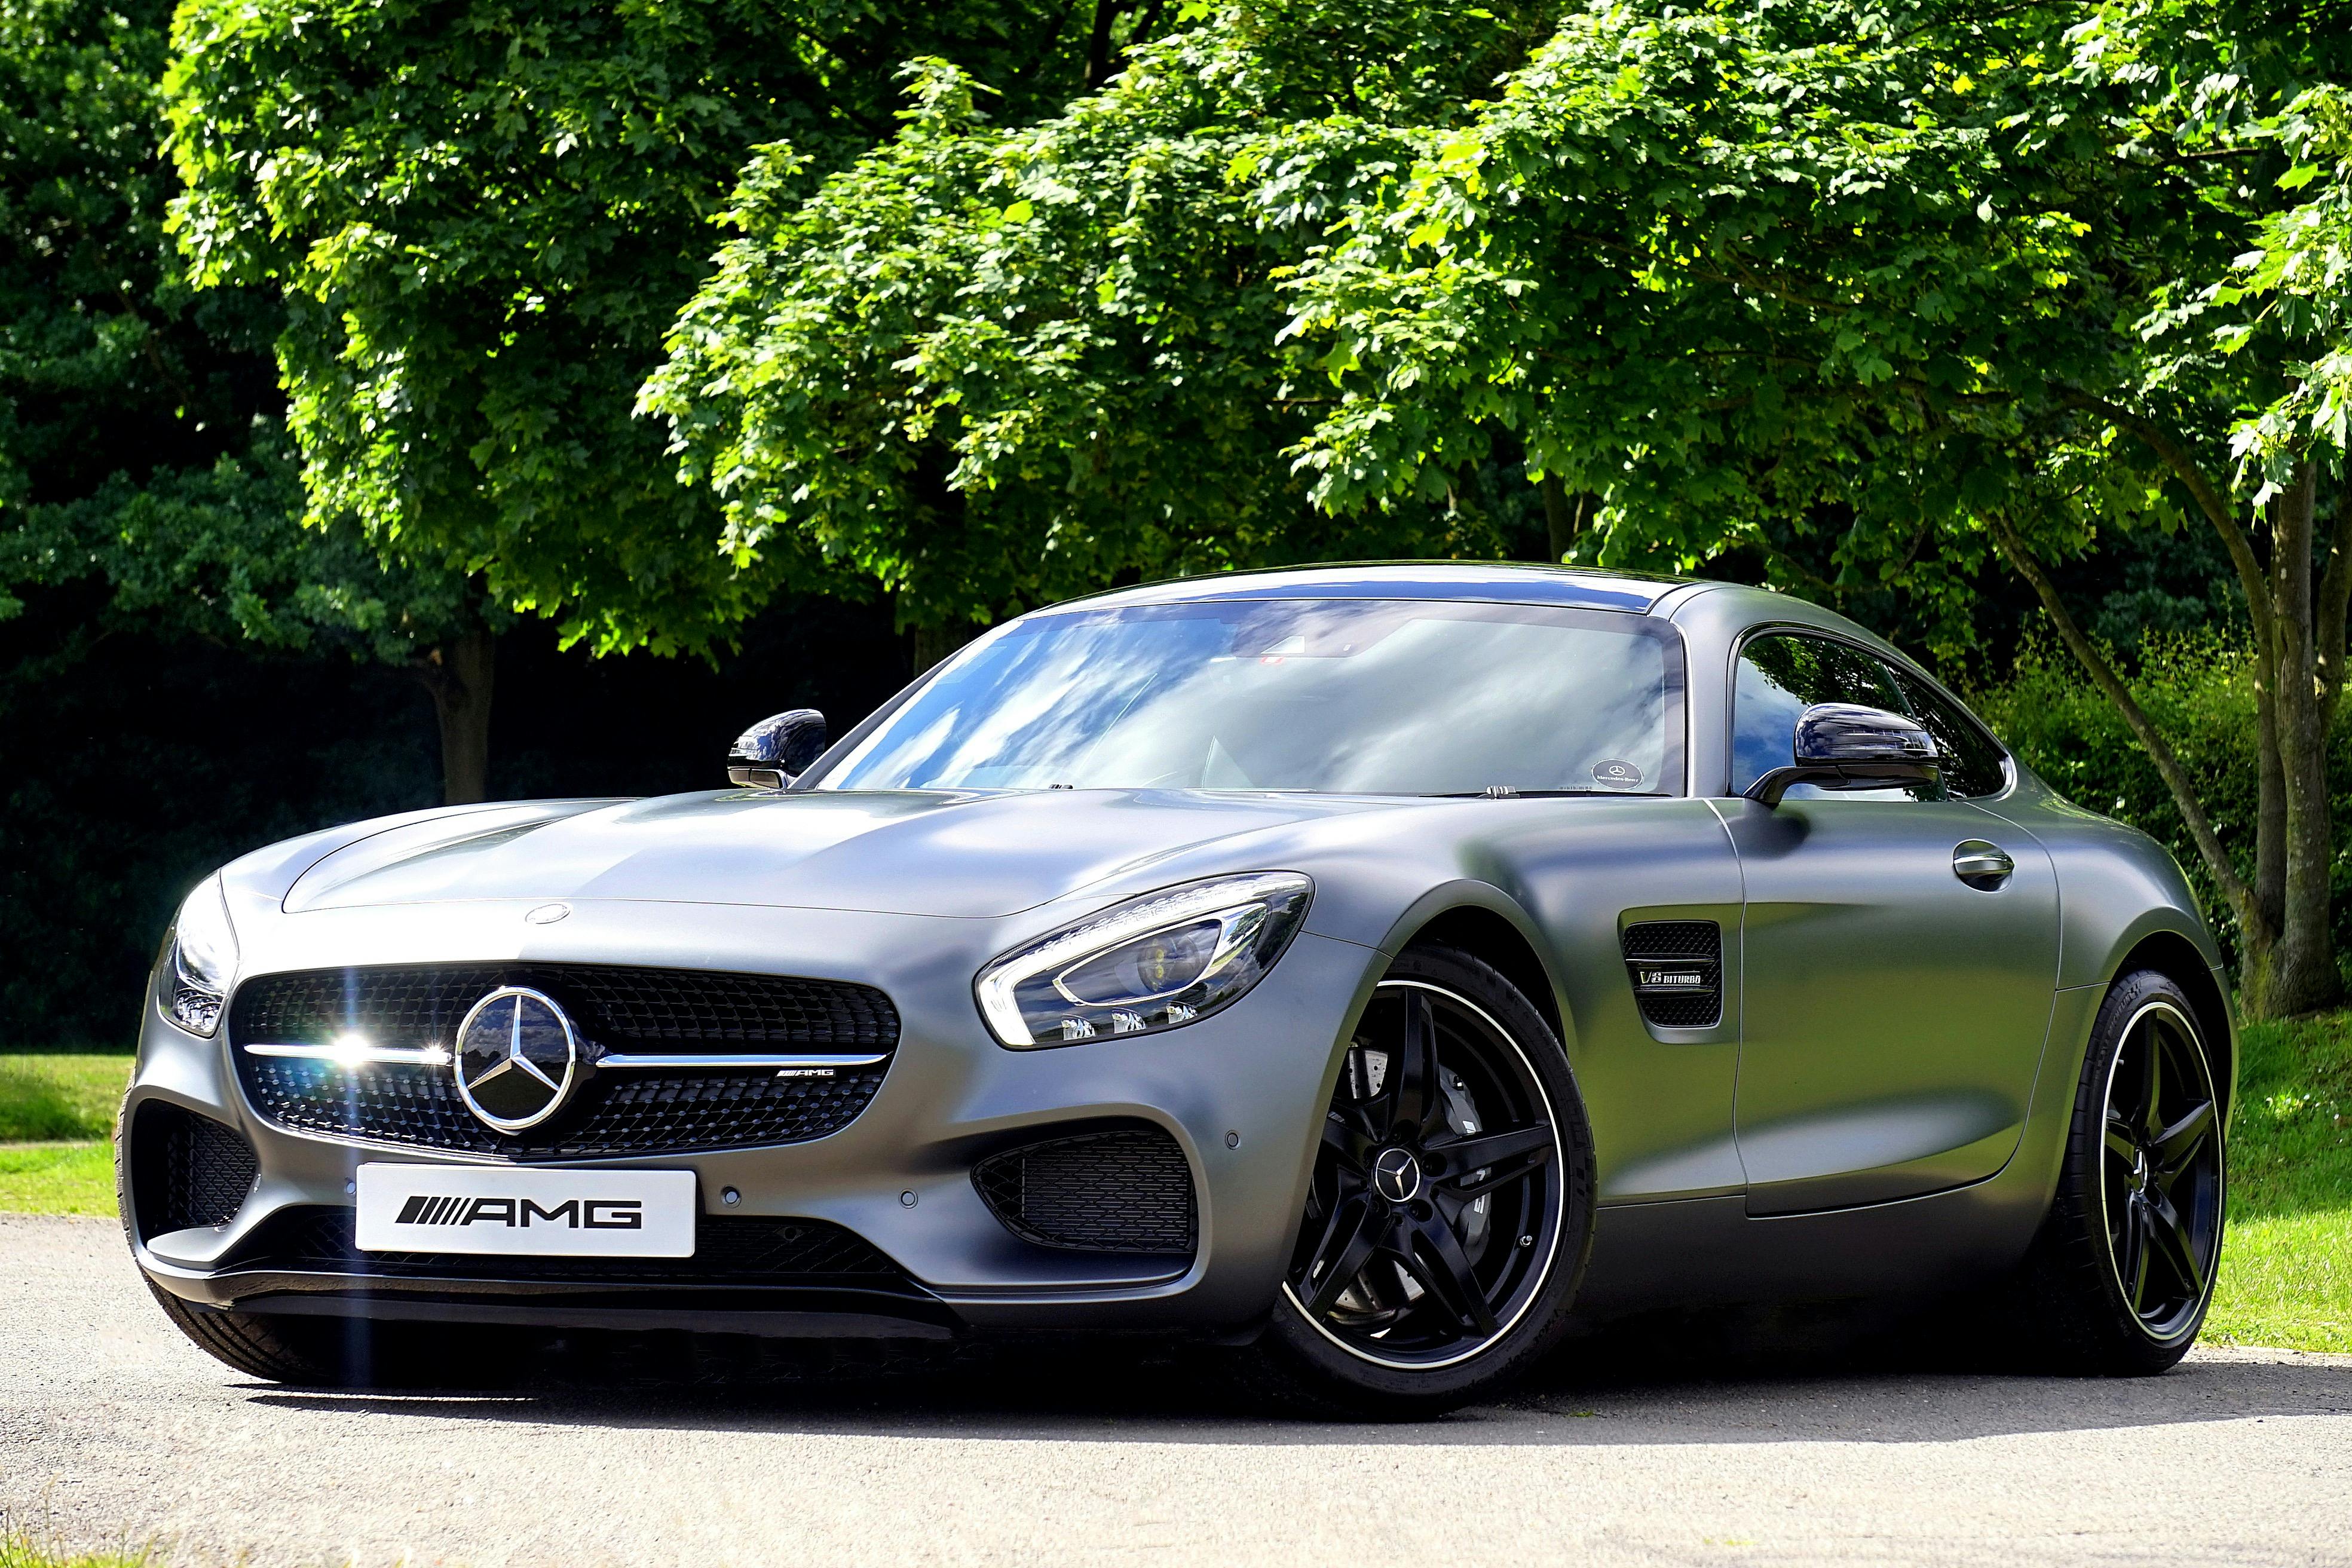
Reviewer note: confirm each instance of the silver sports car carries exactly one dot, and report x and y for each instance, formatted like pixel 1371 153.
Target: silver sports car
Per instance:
pixel 1374 970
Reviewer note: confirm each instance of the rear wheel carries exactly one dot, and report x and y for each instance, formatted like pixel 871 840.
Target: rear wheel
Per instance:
pixel 2121 1275
pixel 1447 1223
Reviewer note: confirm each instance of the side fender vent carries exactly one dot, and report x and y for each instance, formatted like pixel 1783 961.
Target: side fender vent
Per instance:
pixel 1677 968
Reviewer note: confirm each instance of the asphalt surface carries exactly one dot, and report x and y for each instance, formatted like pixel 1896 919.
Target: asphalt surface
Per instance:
pixel 1798 1441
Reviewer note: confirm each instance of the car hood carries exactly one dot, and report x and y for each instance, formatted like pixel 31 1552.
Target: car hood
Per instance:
pixel 973 854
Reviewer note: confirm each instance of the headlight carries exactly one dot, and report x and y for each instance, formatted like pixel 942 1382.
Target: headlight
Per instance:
pixel 1151 964
pixel 202 961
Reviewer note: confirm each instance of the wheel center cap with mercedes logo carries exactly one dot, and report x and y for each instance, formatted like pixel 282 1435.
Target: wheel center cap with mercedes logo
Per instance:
pixel 516 1058
pixel 1397 1174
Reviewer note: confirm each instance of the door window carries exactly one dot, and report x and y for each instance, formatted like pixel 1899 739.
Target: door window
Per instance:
pixel 1974 763
pixel 1781 675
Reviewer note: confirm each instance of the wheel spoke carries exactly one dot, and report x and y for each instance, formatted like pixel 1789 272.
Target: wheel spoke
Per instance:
pixel 1347 1246
pixel 1465 1156
pixel 1444 1269
pixel 2179 1144
pixel 2168 1239
pixel 2151 1080
pixel 2123 1139
pixel 1344 1143
pixel 2131 1252
pixel 1412 1072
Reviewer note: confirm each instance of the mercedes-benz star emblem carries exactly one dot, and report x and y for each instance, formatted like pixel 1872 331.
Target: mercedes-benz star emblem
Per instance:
pixel 1397 1174
pixel 516 1059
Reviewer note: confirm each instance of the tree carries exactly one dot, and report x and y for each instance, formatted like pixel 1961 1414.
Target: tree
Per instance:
pixel 989 364
pixel 1932 282
pixel 141 443
pixel 482 217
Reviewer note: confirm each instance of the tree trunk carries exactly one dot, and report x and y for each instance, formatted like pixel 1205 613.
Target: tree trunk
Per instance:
pixel 933 644
pixel 2301 975
pixel 1564 516
pixel 460 674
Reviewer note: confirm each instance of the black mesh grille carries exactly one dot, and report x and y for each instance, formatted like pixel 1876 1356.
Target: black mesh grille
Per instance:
pixel 728 1249
pixel 1674 939
pixel 620 1008
pixel 1128 1190
pixel 1677 968
pixel 635 1113
pixel 186 1170
pixel 619 1112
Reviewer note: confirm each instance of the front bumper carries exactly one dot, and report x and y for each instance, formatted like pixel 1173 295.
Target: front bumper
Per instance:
pixel 1242 1093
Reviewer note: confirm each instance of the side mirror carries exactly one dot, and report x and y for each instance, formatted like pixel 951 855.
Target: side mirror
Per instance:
pixel 1844 744
pixel 771 752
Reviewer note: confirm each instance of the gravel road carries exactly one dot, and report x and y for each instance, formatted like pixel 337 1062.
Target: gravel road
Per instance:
pixel 113 1430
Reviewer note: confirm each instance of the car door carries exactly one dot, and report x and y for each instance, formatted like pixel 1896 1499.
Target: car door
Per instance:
pixel 1897 986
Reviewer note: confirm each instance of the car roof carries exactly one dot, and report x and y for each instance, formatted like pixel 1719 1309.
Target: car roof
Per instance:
pixel 1635 591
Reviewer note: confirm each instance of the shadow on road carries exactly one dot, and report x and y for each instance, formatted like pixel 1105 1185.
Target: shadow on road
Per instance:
pixel 1820 1374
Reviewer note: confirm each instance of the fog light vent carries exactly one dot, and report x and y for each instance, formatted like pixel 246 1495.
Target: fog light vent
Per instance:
pixel 186 1170
pixel 1127 1189
pixel 1677 968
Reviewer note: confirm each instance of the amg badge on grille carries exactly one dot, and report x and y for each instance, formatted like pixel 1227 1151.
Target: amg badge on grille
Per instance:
pixel 516 1059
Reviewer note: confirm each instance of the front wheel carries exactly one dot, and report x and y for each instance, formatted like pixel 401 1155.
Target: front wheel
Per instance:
pixel 2120 1277
pixel 1446 1227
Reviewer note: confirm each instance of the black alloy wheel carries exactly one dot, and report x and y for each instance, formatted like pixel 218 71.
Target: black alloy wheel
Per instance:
pixel 1448 1216
pixel 2160 1182
pixel 2117 1282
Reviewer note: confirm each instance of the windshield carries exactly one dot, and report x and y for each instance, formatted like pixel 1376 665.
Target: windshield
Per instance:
pixel 1378 696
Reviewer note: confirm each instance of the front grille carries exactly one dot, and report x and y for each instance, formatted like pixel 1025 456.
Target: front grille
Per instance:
pixel 640 1111
pixel 729 1250
pixel 1677 968
pixel 620 1008
pixel 186 1170
pixel 620 1112
pixel 1127 1190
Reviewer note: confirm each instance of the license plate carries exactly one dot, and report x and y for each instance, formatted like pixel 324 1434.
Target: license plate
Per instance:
pixel 526 1213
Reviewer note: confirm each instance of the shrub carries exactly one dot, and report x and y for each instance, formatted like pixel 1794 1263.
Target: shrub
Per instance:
pixel 2198 689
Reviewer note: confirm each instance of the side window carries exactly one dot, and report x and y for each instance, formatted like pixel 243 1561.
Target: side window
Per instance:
pixel 1781 675
pixel 1974 759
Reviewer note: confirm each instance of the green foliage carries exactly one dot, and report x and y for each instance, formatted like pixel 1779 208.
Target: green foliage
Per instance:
pixel 483 217
pixel 19 1549
pixel 138 441
pixel 988 365
pixel 50 1097
pixel 2199 690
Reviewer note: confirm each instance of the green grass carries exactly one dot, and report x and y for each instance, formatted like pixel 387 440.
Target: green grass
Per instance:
pixel 56 1178
pixel 57 1126
pixel 45 1099
pixel 2286 1270
pixel 21 1550
pixel 2286 1265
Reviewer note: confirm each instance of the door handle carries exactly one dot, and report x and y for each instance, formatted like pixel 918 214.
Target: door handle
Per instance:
pixel 1982 865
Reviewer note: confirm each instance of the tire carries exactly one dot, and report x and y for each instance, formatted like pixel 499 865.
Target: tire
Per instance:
pixel 1379 1313
pixel 2118 1280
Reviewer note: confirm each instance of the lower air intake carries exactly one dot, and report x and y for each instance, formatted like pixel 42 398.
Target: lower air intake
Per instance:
pixel 186 1170
pixel 1124 1190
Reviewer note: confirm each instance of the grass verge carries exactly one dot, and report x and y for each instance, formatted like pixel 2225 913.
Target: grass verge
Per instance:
pixel 19 1550
pixel 56 1098
pixel 2286 1264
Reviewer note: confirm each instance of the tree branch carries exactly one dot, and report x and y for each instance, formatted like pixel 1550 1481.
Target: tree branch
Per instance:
pixel 2176 778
